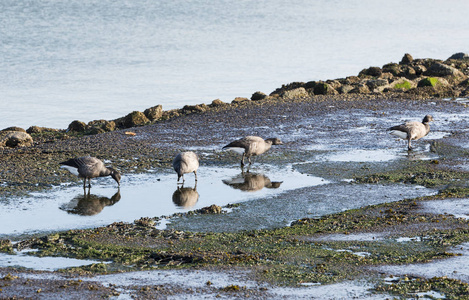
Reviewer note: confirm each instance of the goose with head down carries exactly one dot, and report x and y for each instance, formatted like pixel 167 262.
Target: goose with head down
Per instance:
pixel 186 162
pixel 88 167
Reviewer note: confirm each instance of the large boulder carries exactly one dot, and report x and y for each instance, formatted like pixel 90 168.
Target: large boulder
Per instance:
pixel 14 128
pixel 217 102
pixel 371 71
pixel 295 93
pixel 322 88
pixel 442 70
pixel 37 129
pixel 154 113
pixel 258 96
pixel 102 125
pixel 14 139
pixel 459 55
pixel 77 126
pixel 135 118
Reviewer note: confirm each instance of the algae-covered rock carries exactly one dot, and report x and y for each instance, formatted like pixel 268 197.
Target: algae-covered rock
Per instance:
pixel 402 85
pixel 15 139
pixel 154 113
pixel 429 81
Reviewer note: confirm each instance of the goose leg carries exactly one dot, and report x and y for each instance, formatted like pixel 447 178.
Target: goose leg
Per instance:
pixel 242 160
pixel 84 183
pixel 409 146
pixel 195 173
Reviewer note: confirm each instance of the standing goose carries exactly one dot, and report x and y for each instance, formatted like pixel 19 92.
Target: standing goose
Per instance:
pixel 88 167
pixel 186 162
pixel 252 146
pixel 413 130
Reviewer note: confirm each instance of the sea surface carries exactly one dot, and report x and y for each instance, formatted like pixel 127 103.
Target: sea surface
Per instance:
pixel 63 60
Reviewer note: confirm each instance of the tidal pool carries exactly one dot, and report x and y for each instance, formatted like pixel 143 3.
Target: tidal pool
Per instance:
pixel 143 195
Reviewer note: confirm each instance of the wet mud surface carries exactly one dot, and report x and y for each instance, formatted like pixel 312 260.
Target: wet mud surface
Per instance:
pixel 334 205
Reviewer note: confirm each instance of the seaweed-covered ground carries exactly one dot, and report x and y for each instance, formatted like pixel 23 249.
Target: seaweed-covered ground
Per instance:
pixel 382 207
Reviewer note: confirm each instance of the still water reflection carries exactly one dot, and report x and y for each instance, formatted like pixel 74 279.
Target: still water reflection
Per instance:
pixel 185 197
pixel 251 182
pixel 140 195
pixel 89 204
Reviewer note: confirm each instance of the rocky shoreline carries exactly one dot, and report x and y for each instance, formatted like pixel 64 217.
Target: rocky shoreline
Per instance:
pixel 282 256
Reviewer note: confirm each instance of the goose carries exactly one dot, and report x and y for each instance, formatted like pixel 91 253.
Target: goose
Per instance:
pixel 413 130
pixel 251 146
pixel 88 167
pixel 186 162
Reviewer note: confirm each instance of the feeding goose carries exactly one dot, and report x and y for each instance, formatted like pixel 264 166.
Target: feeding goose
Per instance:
pixel 186 162
pixel 88 167
pixel 413 130
pixel 251 146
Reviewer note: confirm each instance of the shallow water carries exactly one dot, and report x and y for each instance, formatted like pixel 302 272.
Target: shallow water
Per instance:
pixel 21 259
pixel 145 195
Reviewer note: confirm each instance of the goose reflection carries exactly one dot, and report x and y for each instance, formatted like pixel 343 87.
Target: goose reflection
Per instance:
pixel 89 204
pixel 251 182
pixel 185 197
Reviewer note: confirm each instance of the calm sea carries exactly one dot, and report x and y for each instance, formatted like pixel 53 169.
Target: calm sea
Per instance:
pixel 62 60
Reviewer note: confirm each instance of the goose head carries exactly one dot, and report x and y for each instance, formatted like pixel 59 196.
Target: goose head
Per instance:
pixel 116 175
pixel 274 141
pixel 427 118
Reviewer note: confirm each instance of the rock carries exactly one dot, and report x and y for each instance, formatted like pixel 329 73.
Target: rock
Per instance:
pixel 375 84
pixel 360 89
pixel 295 93
pixel 135 118
pixel 406 59
pixel 371 71
pixel 154 113
pixel 323 88
pixel 429 81
pixel 408 72
pixel 188 109
pixel 288 87
pixel 419 69
pixel 37 129
pixel 402 84
pixel 77 126
pixel 212 209
pixel 392 68
pixel 345 88
pixel 442 70
pixel 459 55
pixel 14 128
pixel 239 100
pixel 15 139
pixel 258 96
pixel 217 102
pixel 103 125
